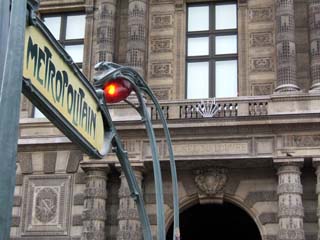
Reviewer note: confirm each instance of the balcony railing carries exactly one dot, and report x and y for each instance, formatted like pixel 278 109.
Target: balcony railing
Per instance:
pixel 278 104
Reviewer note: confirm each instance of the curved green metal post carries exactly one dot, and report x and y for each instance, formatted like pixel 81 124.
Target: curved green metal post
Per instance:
pixel 127 169
pixel 117 71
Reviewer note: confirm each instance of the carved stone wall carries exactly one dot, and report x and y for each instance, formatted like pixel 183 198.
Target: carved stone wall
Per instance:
pixel 314 26
pixel 286 46
pixel 260 63
pixel 290 208
pixel 48 194
pixel 161 48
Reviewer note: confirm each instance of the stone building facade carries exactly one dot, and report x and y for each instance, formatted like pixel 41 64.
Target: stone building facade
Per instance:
pixel 260 152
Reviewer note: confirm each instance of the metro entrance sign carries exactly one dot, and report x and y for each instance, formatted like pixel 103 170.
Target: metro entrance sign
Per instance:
pixel 54 84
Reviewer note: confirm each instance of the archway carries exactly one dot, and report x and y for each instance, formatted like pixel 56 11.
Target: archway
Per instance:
pixel 216 221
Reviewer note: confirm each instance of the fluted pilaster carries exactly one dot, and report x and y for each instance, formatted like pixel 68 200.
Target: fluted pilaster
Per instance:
pixel 94 213
pixel 314 26
pixel 286 46
pixel 137 29
pixel 128 216
pixel 290 208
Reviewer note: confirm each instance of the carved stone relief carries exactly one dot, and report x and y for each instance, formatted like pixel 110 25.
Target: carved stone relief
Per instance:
pixel 46 205
pixel 264 14
pixel 160 45
pixel 262 89
pixel 261 64
pixel 301 141
pixel 162 69
pixel 162 94
pixel 261 39
pixel 159 21
pixel 211 181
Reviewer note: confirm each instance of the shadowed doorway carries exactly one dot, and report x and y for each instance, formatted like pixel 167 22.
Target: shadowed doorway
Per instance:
pixel 216 221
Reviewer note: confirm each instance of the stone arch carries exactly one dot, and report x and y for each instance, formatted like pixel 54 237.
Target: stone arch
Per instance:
pixel 192 200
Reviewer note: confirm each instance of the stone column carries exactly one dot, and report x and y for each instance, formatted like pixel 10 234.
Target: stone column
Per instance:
pixel 94 213
pixel 106 20
pixel 314 27
pixel 286 47
pixel 290 209
pixel 137 32
pixel 316 164
pixel 128 216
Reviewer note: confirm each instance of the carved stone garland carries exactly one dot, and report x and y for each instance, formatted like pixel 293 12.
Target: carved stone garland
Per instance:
pixel 94 213
pixel 314 24
pixel 137 13
pixel 290 208
pixel 286 46
pixel 128 217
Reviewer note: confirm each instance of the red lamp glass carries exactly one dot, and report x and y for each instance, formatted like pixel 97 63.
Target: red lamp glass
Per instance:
pixel 117 90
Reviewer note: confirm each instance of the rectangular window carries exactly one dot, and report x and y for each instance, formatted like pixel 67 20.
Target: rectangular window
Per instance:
pixel 68 29
pixel 212 50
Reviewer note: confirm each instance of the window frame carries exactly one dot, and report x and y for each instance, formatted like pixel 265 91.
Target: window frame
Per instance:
pixel 211 58
pixel 63 29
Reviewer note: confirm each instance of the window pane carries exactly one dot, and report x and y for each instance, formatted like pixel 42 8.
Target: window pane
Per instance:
pixel 198 80
pixel 226 78
pixel 226 16
pixel 38 113
pixel 75 27
pixel 76 52
pixel 53 24
pixel 226 44
pixel 198 18
pixel 198 46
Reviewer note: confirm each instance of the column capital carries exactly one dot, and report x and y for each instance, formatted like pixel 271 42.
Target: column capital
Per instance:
pixel 95 165
pixel 288 161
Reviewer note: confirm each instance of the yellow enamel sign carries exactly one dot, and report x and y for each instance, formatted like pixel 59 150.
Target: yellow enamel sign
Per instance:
pixel 57 82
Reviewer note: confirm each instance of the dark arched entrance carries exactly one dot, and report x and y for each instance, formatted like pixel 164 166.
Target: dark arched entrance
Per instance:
pixel 216 221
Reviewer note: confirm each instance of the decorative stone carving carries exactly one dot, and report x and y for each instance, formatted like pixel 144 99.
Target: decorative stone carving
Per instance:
pixel 285 43
pixel 257 15
pixel 137 28
pixel 290 208
pixel 163 69
pixel 211 181
pixel 128 217
pixel 262 89
pixel 94 213
pixel 161 45
pixel 301 141
pixel 46 205
pixel 261 64
pixel 261 39
pixel 314 26
pixel 316 164
pixel 162 94
pixel 162 20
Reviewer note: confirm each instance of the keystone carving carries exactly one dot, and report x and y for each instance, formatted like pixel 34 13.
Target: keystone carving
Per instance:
pixel 212 181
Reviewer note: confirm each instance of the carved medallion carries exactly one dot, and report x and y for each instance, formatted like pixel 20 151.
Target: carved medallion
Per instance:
pixel 212 181
pixel 46 203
